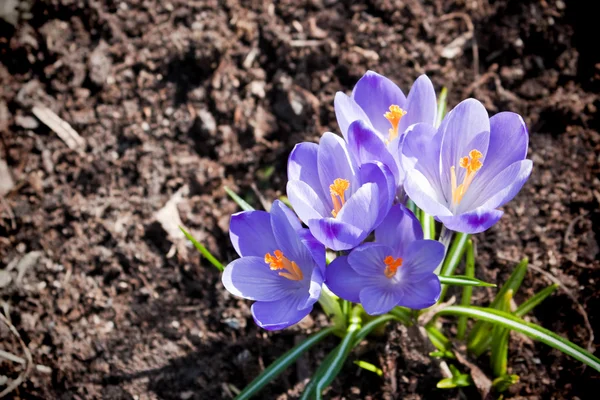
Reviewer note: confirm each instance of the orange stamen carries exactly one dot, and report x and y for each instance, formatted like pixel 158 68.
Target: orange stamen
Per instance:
pixel 279 262
pixel 472 164
pixel 337 191
pixel 391 266
pixel 394 116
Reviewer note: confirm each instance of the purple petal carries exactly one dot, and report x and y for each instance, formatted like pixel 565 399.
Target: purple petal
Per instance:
pixel 251 278
pixel 425 196
pixel 342 280
pixel 314 288
pixel 466 127
pixel 315 247
pixel 335 234
pixel 360 210
pixel 422 257
pixel 375 94
pixel 288 240
pixel 302 166
pixel 334 161
pixel 421 104
pixel 399 229
pixel 274 315
pixel 475 221
pixel 347 111
pixel 307 204
pixel 251 234
pixel 421 294
pixel 367 146
pixel 422 144
pixel 500 189
pixel 378 300
pixel 380 176
pixel 368 260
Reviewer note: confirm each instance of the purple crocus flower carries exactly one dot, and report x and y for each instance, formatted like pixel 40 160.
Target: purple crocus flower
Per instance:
pixel 467 168
pixel 281 266
pixel 395 270
pixel 338 201
pixel 385 114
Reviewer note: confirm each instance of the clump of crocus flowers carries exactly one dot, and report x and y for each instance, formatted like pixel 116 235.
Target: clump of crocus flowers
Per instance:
pixel 350 194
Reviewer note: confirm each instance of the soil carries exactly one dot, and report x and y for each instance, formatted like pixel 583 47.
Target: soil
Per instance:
pixel 177 99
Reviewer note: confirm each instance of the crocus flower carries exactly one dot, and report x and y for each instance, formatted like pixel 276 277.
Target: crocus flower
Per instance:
pixel 338 201
pixel 467 168
pixel 394 270
pixel 385 114
pixel 281 266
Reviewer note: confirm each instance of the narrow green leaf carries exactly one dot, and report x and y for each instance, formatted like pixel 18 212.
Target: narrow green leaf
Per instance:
pixel 467 290
pixel 309 390
pixel 369 367
pixel 439 340
pixel 203 250
pixel 533 331
pixel 403 315
pixel 500 337
pixel 239 201
pixel 441 108
pixel 279 365
pixel 463 280
pixel 534 300
pixel 502 383
pixel 428 226
pixel 412 207
pixel 480 334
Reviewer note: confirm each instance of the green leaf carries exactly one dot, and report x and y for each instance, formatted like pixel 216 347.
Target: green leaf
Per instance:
pixel 239 201
pixel 534 300
pixel 463 280
pixel 479 338
pixel 533 331
pixel 458 379
pixel 439 340
pixel 500 337
pixel 453 257
pixel 331 306
pixel 441 108
pixel 412 207
pixel 502 383
pixel 203 250
pixel 402 314
pixel 467 290
pixel 369 367
pixel 428 224
pixel 279 365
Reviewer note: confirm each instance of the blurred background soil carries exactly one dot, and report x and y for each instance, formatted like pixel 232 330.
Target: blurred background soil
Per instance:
pixel 171 100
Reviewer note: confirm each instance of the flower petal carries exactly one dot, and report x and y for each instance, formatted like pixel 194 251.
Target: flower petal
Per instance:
pixel 375 94
pixel 421 294
pixel 425 196
pixel 306 202
pixel 334 161
pixel 422 257
pixel 336 235
pixel 465 128
pixel 302 166
pixel 399 229
pixel 342 280
pixel 315 247
pixel 347 111
pixel 251 278
pixel 421 143
pixel 379 175
pixel 421 104
pixel 378 300
pixel 251 233
pixel 368 260
pixel 366 146
pixel 360 210
pixel 475 221
pixel 275 315
pixel 314 289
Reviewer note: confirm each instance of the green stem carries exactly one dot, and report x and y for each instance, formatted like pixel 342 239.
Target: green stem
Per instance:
pixel 467 290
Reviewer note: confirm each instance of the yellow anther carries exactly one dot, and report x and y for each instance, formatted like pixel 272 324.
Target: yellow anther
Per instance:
pixel 337 191
pixel 280 262
pixel 394 116
pixel 472 164
pixel 391 266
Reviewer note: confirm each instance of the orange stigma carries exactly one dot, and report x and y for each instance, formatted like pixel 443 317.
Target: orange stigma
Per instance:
pixel 337 190
pixel 391 266
pixel 472 164
pixel 279 261
pixel 394 116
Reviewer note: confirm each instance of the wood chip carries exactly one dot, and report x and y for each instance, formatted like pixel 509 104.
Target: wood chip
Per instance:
pixel 59 126
pixel 6 181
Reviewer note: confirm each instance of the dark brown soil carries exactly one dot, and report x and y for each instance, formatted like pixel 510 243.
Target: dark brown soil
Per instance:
pixel 193 95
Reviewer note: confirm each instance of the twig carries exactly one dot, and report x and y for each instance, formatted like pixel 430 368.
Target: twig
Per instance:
pixel 471 29
pixel 59 126
pixel 28 358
